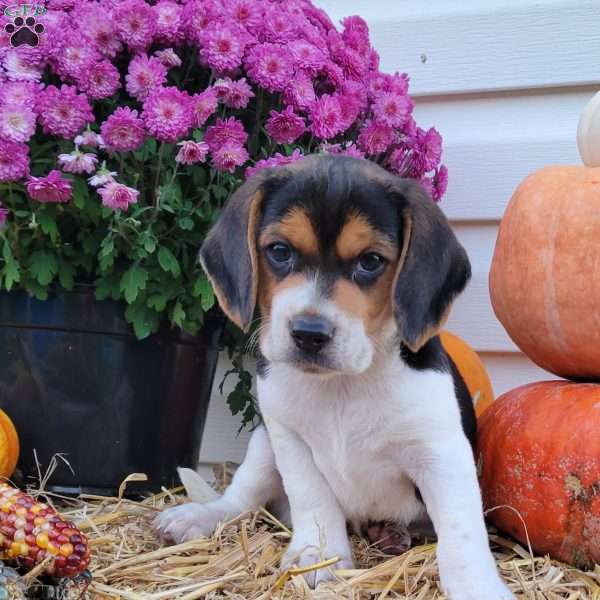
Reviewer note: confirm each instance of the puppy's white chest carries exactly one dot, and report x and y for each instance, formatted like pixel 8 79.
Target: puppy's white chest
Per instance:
pixel 356 434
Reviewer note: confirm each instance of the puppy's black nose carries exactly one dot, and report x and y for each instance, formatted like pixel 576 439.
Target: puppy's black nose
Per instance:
pixel 311 333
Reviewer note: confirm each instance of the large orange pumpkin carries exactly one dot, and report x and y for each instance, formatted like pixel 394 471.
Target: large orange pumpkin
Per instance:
pixel 9 446
pixel 539 453
pixel 472 369
pixel 545 274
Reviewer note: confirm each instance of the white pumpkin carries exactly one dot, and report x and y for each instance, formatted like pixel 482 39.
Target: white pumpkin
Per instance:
pixel 588 133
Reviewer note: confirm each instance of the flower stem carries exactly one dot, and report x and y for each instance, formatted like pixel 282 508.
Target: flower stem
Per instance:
pixel 158 170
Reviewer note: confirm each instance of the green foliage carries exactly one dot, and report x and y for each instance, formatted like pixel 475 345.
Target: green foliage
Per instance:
pixel 145 257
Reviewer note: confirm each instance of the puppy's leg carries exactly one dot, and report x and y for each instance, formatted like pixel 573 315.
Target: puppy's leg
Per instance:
pixel 317 519
pixel 254 484
pixel 444 472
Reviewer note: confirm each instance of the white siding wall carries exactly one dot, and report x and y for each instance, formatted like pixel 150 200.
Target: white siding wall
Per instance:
pixel 504 81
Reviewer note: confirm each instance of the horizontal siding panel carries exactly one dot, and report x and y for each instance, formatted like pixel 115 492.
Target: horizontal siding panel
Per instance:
pixel 508 371
pixel 491 143
pixel 448 47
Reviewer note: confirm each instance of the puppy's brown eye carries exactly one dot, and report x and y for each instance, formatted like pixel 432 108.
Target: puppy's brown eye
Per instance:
pixel 279 253
pixel 371 263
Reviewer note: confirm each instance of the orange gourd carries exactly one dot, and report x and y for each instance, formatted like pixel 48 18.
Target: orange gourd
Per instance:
pixel 539 453
pixel 9 446
pixel 472 369
pixel 545 275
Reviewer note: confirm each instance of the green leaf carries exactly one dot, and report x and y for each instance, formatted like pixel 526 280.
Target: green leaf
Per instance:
pixel 107 287
pixel 178 314
pixel 158 301
pixel 10 271
pixel 43 266
pixel 203 289
pixel 133 281
pixel 81 192
pixel 48 224
pixel 37 290
pixel 168 262
pixel 66 274
pixel 107 246
pixel 185 223
pixel 197 134
pixel 144 320
pixel 149 243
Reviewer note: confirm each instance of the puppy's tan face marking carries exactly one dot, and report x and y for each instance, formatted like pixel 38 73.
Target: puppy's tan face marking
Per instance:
pixel 372 304
pixel 358 236
pixel 296 229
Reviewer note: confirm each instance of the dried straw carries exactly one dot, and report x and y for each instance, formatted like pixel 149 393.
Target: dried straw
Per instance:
pixel 240 561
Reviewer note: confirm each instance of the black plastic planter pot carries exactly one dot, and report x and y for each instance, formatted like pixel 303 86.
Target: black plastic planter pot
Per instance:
pixel 77 382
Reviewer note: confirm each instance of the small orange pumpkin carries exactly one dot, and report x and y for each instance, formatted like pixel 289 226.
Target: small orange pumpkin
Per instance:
pixel 539 453
pixel 472 369
pixel 9 446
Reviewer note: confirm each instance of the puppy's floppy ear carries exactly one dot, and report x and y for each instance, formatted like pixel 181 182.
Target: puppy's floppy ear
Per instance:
pixel 433 267
pixel 229 252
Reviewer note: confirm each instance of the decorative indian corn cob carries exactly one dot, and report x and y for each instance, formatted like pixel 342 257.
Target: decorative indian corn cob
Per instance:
pixel 30 531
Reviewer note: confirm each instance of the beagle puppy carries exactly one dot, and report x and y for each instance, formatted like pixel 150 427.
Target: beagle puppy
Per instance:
pixel 353 271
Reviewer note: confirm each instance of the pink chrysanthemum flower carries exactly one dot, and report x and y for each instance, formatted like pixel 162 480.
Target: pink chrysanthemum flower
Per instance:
pixel 136 23
pixel 274 161
pixel 375 138
pixel 278 25
pixel 63 111
pixel 270 66
pixel 204 105
pixel 349 110
pixel 168 114
pixel 168 58
pixel 52 188
pixel 74 58
pixel 22 93
pixel 117 195
pixel 229 131
pixel 17 123
pixel 89 138
pixel 223 48
pixel 191 152
pixel 197 16
pixel 145 73
pixel 440 182
pixel 300 92
pixel 78 162
pixel 326 118
pixel 19 67
pixel 286 126
pixel 391 108
pixel 356 33
pixel 246 13
pixel 98 29
pixel 123 131
pixel 169 23
pixel 234 94
pixel 14 160
pixel 349 149
pixel 229 156
pixel 306 56
pixel 384 82
pixel 101 81
pixel 427 147
pixel 3 215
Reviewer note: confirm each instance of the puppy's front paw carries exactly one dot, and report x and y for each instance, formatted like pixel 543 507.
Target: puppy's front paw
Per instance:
pixel 189 521
pixel 471 588
pixel 301 553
